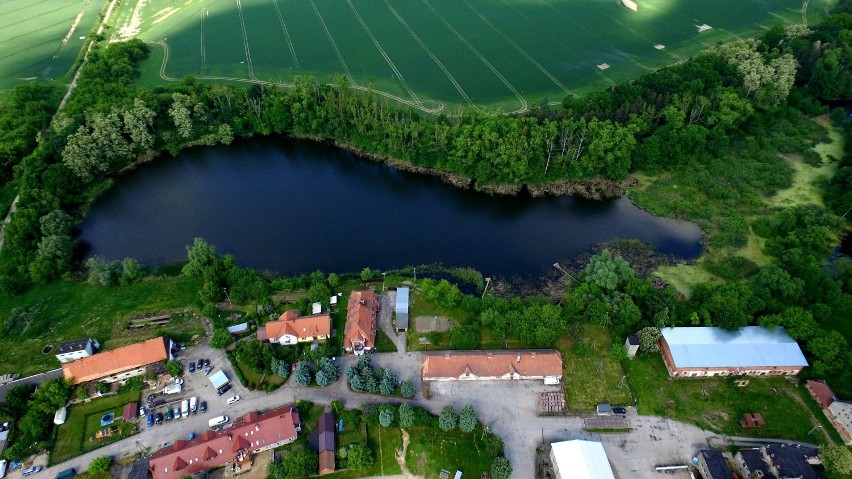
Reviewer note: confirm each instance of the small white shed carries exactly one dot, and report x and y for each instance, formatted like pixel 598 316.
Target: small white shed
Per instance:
pixel 60 416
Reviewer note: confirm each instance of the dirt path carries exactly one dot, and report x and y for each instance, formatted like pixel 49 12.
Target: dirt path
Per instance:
pixel 400 457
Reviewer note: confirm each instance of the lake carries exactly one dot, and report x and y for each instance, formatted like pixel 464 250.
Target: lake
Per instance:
pixel 295 206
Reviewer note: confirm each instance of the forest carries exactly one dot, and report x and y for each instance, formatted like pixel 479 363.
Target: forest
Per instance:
pixel 713 124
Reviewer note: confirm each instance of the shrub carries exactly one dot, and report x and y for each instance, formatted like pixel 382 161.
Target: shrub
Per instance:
pixel 467 419
pixel 501 468
pixel 302 374
pixel 406 416
pixel 221 338
pixel 581 349
pixel 407 389
pixel 174 368
pixel 359 456
pixel 100 464
pixel 386 417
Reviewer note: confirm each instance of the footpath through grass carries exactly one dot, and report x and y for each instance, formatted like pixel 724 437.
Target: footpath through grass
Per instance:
pixel 717 404
pixel 83 423
pixel 64 310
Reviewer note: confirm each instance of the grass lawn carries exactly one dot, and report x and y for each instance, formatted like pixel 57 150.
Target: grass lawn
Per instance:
pixel 257 379
pixel 717 404
pixel 84 422
pixel 421 306
pixel 63 310
pixel 384 344
pixel 431 449
pixel 595 378
pixel 382 441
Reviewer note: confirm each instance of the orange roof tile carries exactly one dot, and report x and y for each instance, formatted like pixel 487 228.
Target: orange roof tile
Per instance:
pixel 250 432
pixel 118 360
pixel 491 364
pixel 821 392
pixel 301 327
pixel 361 315
pixel 326 462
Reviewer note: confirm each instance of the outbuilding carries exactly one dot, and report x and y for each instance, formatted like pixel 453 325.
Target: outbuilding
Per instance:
pixel 219 379
pixel 60 416
pixel 401 310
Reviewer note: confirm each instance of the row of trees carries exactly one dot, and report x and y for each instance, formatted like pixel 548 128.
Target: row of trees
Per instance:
pixel 362 378
pixel 31 413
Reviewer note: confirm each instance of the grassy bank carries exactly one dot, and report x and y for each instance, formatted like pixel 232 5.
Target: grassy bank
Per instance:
pixel 63 310
pixel 595 377
pixel 717 404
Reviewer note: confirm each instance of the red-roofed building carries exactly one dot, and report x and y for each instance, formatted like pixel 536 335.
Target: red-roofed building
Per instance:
pixel 249 434
pixel 544 364
pixel 290 328
pixel 359 335
pixel 120 363
pixel 821 393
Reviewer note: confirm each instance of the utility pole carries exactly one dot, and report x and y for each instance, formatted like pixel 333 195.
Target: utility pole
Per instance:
pixel 229 298
pixel 384 273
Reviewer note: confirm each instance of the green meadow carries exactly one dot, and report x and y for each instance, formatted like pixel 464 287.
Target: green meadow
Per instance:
pixel 41 39
pixel 438 55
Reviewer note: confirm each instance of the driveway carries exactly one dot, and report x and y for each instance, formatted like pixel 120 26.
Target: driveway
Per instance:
pixel 388 301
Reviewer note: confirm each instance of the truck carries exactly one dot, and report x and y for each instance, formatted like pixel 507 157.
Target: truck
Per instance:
pixel 184 408
pixel 218 421
pixel 172 388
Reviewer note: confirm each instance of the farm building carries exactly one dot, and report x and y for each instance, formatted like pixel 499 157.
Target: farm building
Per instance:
pixel 544 364
pixel 73 350
pixel 580 460
pixel 821 392
pixel 710 351
pixel 712 465
pixel 840 415
pixel 290 328
pixel 777 461
pixel 359 334
pixel 250 434
pixel 402 298
pixel 121 363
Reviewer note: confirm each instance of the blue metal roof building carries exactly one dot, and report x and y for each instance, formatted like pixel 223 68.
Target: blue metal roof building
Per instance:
pixel 708 351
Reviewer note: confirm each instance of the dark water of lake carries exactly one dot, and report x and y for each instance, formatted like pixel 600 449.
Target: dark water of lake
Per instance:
pixel 295 206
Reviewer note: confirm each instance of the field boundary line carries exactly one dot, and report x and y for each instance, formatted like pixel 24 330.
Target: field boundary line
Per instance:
pixel 390 96
pixel 245 41
pixel 524 106
pixel 805 12
pixel 287 35
pixel 204 13
pixel 333 44
pixel 384 54
pixel 432 55
pixel 519 49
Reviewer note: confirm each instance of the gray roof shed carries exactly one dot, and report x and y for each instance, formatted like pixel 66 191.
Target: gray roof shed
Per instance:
pixel 402 303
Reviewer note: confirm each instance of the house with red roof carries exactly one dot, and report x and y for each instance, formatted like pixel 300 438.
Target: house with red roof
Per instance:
pixel 249 434
pixel 359 334
pixel 290 329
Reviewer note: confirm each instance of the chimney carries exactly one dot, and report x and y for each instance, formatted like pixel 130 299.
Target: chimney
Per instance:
pixel 532 353
pixel 447 355
pixel 490 355
pixel 519 358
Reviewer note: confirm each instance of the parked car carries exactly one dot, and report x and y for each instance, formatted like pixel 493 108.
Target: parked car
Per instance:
pixel 193 404
pixel 169 414
pixel 159 418
pixel 191 367
pixel 191 436
pixel 177 411
pixel 30 470
pixel 203 406
pixel 232 399
pixel 150 419
pixel 142 412
pixel 217 421
pixel 3 465
pixel 66 474
pixel 207 370
pixel 223 389
pixel 178 381
pixel 200 364
pixel 619 410
pixel 206 363
pixel 184 408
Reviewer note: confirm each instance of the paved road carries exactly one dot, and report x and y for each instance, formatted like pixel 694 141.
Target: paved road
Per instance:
pixel 388 301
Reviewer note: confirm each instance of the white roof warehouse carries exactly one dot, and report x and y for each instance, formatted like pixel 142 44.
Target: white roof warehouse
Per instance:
pixel 710 351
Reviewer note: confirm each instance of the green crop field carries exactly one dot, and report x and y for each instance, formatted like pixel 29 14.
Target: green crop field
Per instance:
pixel 434 54
pixel 41 39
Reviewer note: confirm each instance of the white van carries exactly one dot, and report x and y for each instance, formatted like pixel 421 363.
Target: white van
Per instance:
pixel 184 408
pixel 218 421
pixel 2 468
pixel 193 403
